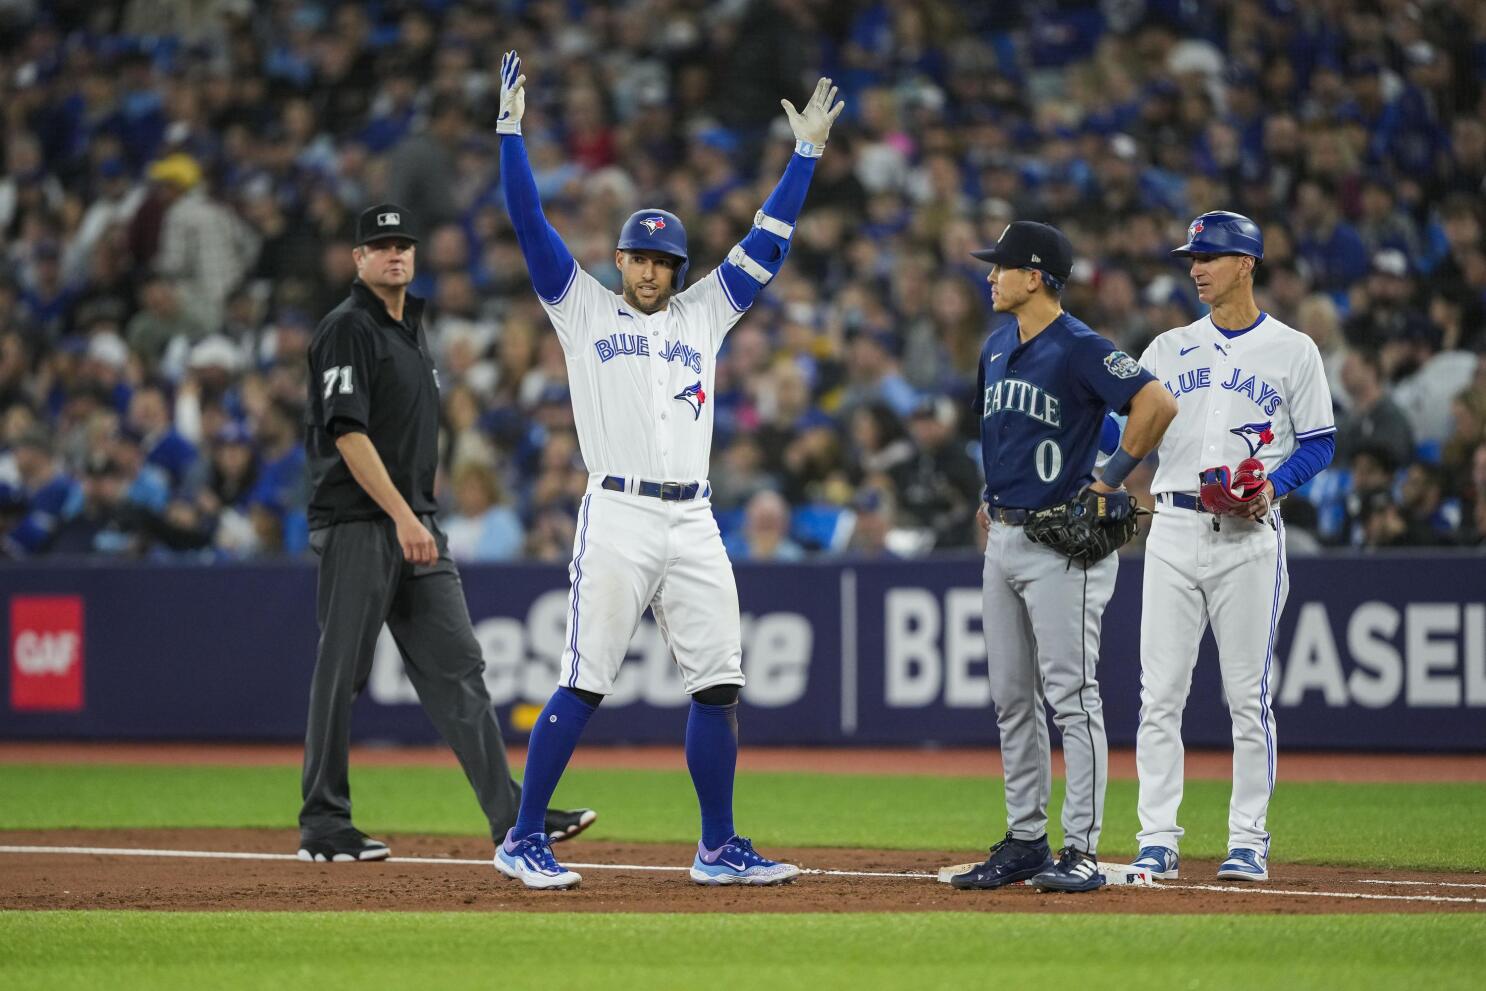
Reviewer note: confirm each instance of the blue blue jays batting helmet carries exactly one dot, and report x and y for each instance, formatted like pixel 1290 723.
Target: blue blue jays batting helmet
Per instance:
pixel 1223 233
pixel 656 230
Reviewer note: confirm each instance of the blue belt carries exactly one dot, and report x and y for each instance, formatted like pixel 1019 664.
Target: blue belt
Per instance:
pixel 1182 500
pixel 664 491
pixel 1010 517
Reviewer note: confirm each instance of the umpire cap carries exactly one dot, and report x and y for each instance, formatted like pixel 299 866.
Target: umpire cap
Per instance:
pixel 1223 233
pixel 1028 244
pixel 656 230
pixel 383 221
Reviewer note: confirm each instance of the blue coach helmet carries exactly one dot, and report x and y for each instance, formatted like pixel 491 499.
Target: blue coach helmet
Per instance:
pixel 1223 233
pixel 656 230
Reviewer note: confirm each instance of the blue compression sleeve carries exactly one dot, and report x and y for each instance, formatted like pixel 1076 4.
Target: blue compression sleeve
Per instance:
pixel 1313 454
pixel 550 262
pixel 767 249
pixel 712 757
pixel 788 197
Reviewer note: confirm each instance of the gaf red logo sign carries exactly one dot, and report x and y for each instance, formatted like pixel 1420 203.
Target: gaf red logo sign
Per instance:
pixel 46 653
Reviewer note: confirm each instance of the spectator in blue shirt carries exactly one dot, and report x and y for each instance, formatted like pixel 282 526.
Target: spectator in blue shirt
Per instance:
pixel 163 445
pixel 483 528
pixel 1331 247
pixel 47 498
pixel 765 533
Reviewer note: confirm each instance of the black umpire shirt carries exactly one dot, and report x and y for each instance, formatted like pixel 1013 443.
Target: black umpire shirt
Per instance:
pixel 371 374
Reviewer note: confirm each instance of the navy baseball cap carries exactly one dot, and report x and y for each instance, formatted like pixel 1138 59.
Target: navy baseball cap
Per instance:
pixel 1028 244
pixel 383 221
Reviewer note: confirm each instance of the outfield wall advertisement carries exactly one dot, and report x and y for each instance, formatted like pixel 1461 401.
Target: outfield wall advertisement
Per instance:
pixel 1372 653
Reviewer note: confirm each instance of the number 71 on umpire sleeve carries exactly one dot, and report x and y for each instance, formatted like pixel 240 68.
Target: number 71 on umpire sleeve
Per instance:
pixel 341 374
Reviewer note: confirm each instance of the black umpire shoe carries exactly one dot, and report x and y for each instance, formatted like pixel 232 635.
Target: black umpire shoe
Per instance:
pixel 1074 871
pixel 346 846
pixel 1011 860
pixel 562 825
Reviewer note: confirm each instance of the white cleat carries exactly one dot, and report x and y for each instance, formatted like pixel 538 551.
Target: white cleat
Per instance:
pixel 530 861
pixel 737 862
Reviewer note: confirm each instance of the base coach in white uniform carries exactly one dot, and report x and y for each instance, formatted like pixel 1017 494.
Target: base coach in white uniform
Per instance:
pixel 1254 421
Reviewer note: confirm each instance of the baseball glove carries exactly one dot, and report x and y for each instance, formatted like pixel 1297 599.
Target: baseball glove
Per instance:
pixel 1088 527
pixel 1232 493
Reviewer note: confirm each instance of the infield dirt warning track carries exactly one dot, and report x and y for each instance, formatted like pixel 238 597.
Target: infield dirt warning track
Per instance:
pixel 254 869
pixel 236 870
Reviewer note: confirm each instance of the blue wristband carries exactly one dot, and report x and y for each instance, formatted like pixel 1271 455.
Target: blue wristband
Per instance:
pixel 1120 464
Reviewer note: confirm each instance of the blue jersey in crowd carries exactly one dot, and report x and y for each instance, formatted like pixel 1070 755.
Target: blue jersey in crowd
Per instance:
pixel 1042 407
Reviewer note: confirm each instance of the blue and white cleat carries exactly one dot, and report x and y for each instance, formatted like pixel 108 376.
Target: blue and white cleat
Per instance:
pixel 530 861
pixel 1244 865
pixel 737 862
pixel 1161 861
pixel 1074 871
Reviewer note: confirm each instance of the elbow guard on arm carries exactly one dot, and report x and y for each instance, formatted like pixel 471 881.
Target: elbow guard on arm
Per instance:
pixel 761 253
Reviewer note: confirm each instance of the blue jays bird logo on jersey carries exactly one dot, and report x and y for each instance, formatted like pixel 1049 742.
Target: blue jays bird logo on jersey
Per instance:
pixel 653 224
pixel 1256 435
pixel 693 396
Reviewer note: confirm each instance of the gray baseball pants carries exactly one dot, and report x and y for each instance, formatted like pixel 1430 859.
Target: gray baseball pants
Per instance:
pixel 365 583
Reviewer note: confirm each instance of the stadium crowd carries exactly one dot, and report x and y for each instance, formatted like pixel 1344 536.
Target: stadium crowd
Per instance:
pixel 180 178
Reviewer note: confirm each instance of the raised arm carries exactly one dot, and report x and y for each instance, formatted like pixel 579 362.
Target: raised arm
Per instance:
pixel 755 260
pixel 548 260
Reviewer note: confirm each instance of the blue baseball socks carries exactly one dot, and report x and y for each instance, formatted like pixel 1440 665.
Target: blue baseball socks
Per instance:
pixel 551 746
pixel 711 757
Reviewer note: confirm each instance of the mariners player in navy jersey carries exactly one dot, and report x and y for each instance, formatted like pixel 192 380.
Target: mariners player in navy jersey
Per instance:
pixel 642 365
pixel 1046 383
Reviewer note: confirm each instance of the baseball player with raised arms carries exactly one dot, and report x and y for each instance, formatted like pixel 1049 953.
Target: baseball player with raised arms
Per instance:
pixel 1046 383
pixel 1252 394
pixel 641 368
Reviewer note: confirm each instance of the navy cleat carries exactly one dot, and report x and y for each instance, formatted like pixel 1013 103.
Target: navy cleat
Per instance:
pixel 1161 861
pixel 346 846
pixel 737 862
pixel 1074 871
pixel 530 861
pixel 1011 860
pixel 1244 865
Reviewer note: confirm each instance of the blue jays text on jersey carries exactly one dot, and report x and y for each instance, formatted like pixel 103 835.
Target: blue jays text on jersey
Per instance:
pixel 638 344
pixel 1042 407
pixel 1264 395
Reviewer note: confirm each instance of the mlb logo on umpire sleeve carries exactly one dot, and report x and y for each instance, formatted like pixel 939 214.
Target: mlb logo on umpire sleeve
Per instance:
pixel 389 219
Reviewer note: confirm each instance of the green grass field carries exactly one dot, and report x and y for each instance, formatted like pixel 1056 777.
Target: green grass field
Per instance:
pixel 1374 825
pixel 275 951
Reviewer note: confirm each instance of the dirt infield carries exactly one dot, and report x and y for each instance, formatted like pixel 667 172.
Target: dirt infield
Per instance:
pixel 93 876
pixel 102 880
pixel 953 761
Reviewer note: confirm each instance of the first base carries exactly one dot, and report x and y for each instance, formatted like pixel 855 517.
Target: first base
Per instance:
pixel 1113 874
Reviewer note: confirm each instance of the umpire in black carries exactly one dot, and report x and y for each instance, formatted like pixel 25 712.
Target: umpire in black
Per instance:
pixel 372 445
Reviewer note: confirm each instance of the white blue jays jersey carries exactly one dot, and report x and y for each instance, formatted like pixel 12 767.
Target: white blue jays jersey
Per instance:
pixel 642 385
pixel 1255 395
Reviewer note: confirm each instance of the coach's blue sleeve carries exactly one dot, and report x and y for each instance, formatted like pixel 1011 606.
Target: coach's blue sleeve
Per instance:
pixel 1313 454
pixel 762 247
pixel 549 261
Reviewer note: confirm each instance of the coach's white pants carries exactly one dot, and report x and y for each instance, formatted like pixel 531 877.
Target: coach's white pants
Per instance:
pixel 631 552
pixel 1234 578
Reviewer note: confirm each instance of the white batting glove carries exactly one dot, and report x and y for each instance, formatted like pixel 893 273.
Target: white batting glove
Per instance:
pixel 813 125
pixel 512 95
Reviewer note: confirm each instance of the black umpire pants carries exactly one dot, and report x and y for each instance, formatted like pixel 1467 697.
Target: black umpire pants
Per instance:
pixel 365 583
